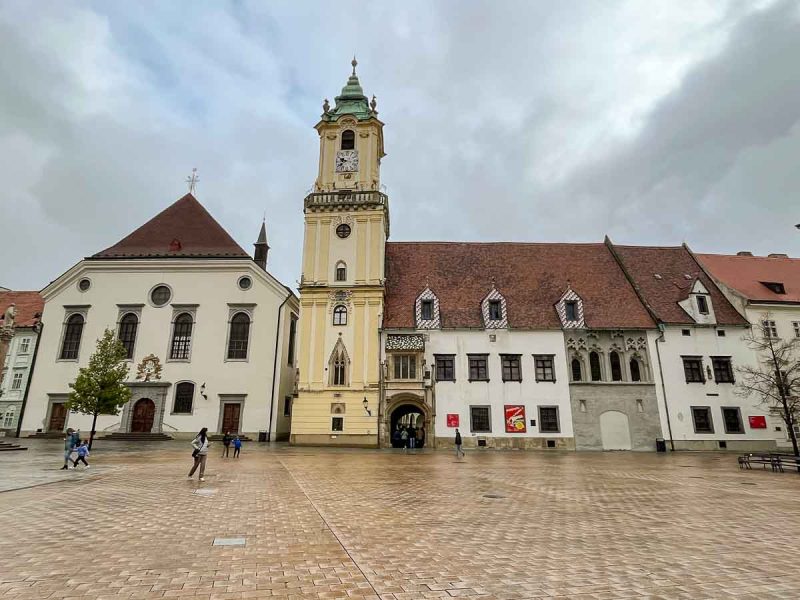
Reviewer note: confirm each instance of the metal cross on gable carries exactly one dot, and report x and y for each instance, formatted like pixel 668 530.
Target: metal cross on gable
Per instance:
pixel 192 181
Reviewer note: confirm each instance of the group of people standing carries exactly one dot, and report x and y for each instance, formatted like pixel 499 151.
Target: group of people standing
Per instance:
pixel 408 437
pixel 73 444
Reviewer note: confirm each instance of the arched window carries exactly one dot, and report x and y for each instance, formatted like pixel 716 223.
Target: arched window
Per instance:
pixel 239 336
pixel 594 366
pixel 576 370
pixel 184 397
pixel 338 365
pixel 72 338
pixel 8 417
pixel 341 271
pixel 181 346
pixel 127 333
pixel 348 140
pixel 616 366
pixel 636 373
pixel 340 315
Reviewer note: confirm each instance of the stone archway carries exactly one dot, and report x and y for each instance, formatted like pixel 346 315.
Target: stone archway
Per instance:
pixel 403 407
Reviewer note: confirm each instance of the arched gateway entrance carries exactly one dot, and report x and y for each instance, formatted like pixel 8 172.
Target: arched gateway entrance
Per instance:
pixel 144 412
pixel 406 418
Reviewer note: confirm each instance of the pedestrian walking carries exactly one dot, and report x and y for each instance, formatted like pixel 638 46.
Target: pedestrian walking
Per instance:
pixel 459 451
pixel 404 438
pixel 421 436
pixel 69 446
pixel 200 445
pixel 237 447
pixel 412 437
pixel 83 452
pixel 226 444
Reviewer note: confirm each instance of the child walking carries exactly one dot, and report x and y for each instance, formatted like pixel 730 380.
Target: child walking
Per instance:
pixel 237 446
pixel 83 452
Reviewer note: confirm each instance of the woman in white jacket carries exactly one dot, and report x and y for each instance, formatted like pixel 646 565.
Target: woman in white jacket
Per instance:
pixel 200 445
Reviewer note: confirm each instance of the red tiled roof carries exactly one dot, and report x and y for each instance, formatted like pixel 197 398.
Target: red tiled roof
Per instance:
pixel 185 229
pixel 662 294
pixel 531 277
pixel 28 305
pixel 745 274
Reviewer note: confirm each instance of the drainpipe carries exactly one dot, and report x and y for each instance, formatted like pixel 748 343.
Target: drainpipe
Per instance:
pixel 275 365
pixel 660 338
pixel 38 327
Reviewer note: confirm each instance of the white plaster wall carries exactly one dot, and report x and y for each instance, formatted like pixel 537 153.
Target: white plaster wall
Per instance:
pixel 212 285
pixel 456 397
pixel 705 342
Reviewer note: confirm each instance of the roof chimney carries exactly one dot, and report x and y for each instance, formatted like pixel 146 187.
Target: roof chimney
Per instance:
pixel 261 247
pixel 744 253
pixel 777 255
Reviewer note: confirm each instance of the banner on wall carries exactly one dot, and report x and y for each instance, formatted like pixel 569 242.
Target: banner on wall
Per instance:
pixel 758 422
pixel 515 418
pixel 452 420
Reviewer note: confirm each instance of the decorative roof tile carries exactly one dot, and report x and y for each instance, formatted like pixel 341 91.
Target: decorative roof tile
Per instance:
pixel 532 277
pixel 183 230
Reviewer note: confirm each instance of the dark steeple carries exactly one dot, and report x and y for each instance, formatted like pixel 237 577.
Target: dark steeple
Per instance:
pixel 262 248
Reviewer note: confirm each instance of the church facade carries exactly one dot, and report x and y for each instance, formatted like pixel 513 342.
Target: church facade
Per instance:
pixel 209 333
pixel 540 346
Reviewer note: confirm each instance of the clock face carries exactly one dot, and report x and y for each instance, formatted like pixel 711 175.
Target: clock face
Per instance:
pixel 346 161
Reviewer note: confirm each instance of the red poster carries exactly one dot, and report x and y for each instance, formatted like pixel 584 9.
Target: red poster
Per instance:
pixel 452 420
pixel 515 418
pixel 758 422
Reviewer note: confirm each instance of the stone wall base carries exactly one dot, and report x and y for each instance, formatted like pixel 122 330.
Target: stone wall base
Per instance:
pixel 326 439
pixel 732 445
pixel 509 443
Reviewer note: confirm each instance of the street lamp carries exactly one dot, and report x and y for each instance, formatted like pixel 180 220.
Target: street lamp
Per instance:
pixel 366 407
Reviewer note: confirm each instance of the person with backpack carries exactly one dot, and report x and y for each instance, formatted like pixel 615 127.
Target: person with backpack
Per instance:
pixel 458 444
pixel 200 445
pixel 69 446
pixel 237 446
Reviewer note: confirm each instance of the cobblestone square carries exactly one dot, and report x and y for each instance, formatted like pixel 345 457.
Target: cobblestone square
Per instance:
pixel 323 523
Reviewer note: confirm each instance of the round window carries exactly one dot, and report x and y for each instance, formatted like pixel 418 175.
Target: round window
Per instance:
pixel 245 283
pixel 160 295
pixel 84 284
pixel 343 230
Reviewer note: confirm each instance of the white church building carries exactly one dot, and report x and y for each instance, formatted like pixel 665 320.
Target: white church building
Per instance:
pixel 181 293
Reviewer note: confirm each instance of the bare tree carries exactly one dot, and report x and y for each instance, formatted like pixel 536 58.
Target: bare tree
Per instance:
pixel 776 379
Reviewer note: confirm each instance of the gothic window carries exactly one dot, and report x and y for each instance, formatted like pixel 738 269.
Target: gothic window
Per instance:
pixel 576 370
pixel 338 366
pixel 636 372
pixel 341 272
pixel 348 140
pixel 616 367
pixel 239 336
pixel 72 338
pixel 594 366
pixel 340 315
pixel 181 346
pixel 184 396
pixel 127 333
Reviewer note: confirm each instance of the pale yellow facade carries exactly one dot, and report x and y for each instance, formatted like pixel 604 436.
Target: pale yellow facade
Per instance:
pixel 342 281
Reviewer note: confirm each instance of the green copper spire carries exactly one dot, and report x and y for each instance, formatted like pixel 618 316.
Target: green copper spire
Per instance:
pixel 351 101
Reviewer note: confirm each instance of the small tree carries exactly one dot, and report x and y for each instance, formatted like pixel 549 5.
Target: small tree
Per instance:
pixel 776 380
pixel 99 388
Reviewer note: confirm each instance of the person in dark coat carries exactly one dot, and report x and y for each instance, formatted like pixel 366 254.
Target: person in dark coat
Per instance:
pixel 459 451
pixel 226 444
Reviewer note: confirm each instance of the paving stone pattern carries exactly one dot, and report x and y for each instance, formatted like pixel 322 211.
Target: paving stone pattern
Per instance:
pixel 322 523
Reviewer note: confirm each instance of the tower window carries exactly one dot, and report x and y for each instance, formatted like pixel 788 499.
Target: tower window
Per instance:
pixel 341 272
pixel 340 315
pixel 343 230
pixel 348 140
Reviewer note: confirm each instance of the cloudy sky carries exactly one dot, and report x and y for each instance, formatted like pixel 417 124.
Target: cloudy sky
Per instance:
pixel 653 122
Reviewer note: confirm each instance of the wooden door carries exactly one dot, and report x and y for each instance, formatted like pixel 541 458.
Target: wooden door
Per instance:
pixel 144 412
pixel 230 417
pixel 58 417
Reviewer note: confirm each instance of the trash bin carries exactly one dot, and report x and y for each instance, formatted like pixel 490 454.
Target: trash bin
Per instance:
pixel 661 445
pixel 262 436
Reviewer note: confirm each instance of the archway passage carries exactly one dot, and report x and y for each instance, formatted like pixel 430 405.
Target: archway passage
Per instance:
pixel 144 412
pixel 408 421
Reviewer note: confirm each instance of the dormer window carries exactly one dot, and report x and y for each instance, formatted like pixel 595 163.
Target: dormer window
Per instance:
pixel 495 310
pixel 426 310
pixel 571 310
pixel 702 305
pixel 774 286
pixel 348 140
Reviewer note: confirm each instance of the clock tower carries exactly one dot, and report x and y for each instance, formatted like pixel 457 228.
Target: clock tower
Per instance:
pixel 342 281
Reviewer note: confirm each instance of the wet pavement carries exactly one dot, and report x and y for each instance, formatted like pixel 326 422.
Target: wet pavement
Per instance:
pixel 323 523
